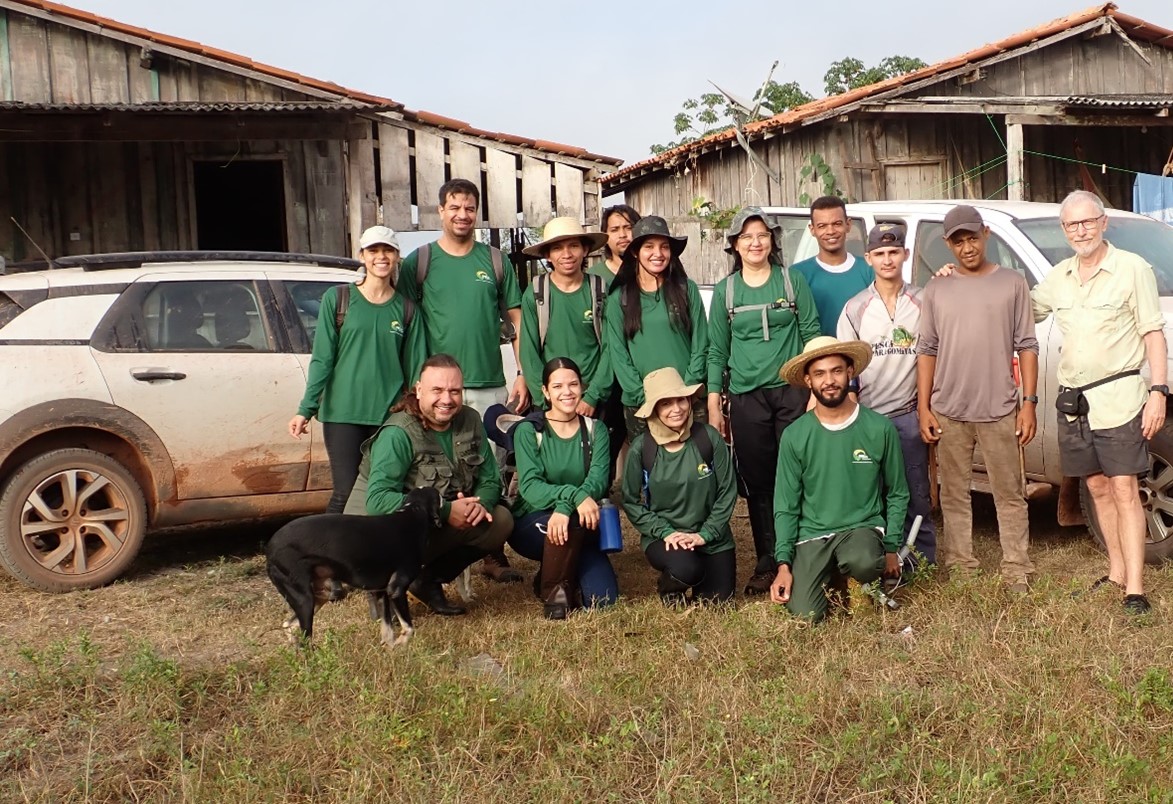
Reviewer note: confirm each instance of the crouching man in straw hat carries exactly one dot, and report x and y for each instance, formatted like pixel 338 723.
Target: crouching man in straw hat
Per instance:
pixel 840 495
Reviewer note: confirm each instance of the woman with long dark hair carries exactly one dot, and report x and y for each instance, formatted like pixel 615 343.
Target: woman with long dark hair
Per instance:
pixel 563 473
pixel 360 369
pixel 761 315
pixel 655 318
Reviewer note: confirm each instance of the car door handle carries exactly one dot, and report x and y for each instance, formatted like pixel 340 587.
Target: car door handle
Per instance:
pixel 150 375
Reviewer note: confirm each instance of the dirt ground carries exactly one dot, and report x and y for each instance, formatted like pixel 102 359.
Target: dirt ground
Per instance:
pixel 201 595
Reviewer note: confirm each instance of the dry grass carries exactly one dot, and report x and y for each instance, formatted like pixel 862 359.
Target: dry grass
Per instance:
pixel 176 686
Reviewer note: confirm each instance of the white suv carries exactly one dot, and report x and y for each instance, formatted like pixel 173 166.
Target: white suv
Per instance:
pixel 1027 238
pixel 150 390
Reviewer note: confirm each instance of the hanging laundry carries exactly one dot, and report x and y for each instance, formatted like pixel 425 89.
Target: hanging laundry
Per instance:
pixel 1153 196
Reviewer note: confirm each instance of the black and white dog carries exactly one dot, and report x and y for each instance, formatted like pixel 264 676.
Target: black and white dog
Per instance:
pixel 379 554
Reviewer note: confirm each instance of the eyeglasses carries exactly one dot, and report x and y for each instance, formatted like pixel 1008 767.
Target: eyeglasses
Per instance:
pixel 758 237
pixel 1086 223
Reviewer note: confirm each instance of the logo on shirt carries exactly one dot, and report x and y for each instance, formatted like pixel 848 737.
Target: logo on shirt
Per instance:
pixel 703 469
pixel 396 328
pixel 860 456
pixel 483 276
pixel 902 338
pixel 588 317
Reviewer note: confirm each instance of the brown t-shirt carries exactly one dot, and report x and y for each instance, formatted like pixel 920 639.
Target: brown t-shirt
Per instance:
pixel 974 324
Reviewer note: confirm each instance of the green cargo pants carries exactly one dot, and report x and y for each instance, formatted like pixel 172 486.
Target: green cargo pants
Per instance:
pixel 855 554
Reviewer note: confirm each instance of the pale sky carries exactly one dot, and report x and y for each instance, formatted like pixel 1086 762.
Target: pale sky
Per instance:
pixel 583 73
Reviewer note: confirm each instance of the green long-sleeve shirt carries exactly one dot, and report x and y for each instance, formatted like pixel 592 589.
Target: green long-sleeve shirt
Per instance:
pixel 552 476
pixel 659 343
pixel 753 362
pixel 391 457
pixel 687 494
pixel 571 334
pixel 357 373
pixel 830 481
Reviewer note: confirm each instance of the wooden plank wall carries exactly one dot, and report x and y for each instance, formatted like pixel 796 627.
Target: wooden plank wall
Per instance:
pixel 130 196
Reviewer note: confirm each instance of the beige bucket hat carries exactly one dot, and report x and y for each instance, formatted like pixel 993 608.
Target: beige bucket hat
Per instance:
pixel 794 369
pixel 663 383
pixel 564 229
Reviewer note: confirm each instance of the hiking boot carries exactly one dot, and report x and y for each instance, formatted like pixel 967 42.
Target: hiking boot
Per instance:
pixel 430 592
pixel 495 567
pixel 761 524
pixel 673 593
pixel 1136 605
pixel 557 606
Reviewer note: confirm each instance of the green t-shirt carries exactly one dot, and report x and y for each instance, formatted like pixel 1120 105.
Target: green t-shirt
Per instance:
pixel 659 343
pixel 551 476
pixel 599 268
pixel 831 481
pixel 571 334
pixel 391 457
pixel 754 362
pixel 358 373
pixel 687 494
pixel 460 308
pixel 833 290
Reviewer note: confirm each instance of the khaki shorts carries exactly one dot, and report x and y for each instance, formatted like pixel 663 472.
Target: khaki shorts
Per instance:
pixel 1114 452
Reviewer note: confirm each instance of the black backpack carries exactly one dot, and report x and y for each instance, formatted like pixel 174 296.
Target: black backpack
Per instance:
pixel 650 449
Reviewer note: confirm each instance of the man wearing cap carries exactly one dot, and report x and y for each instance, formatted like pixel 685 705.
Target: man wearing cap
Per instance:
pixel 1106 304
pixel 887 317
pixel 834 275
pixel 462 299
pixel 840 496
pixel 561 313
pixel 972 323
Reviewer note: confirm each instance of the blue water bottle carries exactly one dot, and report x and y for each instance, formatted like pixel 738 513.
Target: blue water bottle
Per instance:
pixel 610 531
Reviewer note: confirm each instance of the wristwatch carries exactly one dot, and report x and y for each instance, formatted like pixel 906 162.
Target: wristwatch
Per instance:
pixel 1161 389
pixel 1031 398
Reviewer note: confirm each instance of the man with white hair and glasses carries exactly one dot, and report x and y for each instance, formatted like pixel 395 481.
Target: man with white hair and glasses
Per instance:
pixel 1106 304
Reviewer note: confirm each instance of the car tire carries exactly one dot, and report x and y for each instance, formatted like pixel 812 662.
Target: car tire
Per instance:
pixel 48 511
pixel 1156 496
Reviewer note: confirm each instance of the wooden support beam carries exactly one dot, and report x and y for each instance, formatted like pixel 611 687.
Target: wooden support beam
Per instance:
pixel 362 203
pixel 1015 163
pixel 395 177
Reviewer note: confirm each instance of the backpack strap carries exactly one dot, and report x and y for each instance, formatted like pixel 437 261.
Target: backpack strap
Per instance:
pixel 540 284
pixel 423 256
pixel 341 305
pixel 586 428
pixel 764 309
pixel 700 435
pixel 498 259
pixel 649 449
pixel 598 299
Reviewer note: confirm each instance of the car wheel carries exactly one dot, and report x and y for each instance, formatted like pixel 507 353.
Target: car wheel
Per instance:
pixel 72 519
pixel 1156 497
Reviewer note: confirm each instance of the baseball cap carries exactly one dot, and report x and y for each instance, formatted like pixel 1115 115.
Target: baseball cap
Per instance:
pixel 963 218
pixel 885 235
pixel 378 234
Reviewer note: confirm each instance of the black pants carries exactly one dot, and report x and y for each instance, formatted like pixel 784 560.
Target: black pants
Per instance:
pixel 757 419
pixel 610 413
pixel 711 577
pixel 343 443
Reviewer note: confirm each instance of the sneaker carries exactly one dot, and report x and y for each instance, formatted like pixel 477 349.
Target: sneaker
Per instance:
pixel 1136 605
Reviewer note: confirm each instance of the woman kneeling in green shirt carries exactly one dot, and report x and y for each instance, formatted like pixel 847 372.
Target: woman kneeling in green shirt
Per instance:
pixel 563 469
pixel 680 496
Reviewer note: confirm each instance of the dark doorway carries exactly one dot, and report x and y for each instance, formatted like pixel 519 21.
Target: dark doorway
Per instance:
pixel 240 206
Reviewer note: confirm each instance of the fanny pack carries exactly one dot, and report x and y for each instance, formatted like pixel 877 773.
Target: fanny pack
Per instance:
pixel 1072 402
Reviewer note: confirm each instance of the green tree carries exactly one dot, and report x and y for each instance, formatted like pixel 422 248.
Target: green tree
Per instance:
pixel 712 112
pixel 850 73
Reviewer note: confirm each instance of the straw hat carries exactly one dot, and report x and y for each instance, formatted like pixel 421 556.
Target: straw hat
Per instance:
pixel 858 352
pixel 559 229
pixel 663 383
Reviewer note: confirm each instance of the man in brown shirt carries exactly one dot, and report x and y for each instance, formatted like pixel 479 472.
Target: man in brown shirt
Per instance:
pixel 972 322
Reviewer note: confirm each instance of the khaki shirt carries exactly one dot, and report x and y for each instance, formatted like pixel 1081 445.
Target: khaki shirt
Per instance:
pixel 1103 321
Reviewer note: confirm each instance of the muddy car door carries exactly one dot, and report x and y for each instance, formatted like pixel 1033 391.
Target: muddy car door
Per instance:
pixel 200 361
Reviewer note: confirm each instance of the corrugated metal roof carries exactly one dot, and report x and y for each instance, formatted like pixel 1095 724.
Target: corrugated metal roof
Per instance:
pixel 1133 26
pixel 1151 101
pixel 67 13
pixel 196 106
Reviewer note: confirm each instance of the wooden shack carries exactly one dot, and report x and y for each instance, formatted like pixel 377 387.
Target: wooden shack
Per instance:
pixel 1081 102
pixel 116 138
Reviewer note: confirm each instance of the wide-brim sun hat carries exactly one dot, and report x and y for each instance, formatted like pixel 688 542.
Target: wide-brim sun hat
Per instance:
pixel 794 369
pixel 565 228
pixel 663 383
pixel 376 235
pixel 743 217
pixel 652 226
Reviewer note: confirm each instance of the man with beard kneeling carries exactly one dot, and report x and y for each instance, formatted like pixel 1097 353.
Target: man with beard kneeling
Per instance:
pixel 840 495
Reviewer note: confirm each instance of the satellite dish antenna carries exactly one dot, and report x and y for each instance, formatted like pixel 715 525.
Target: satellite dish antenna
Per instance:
pixel 747 112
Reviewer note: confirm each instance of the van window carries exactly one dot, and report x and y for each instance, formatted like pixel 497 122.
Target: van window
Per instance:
pixel 932 252
pixel 799 244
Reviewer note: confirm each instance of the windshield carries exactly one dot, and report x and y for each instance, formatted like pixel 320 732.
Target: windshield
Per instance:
pixel 1150 239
